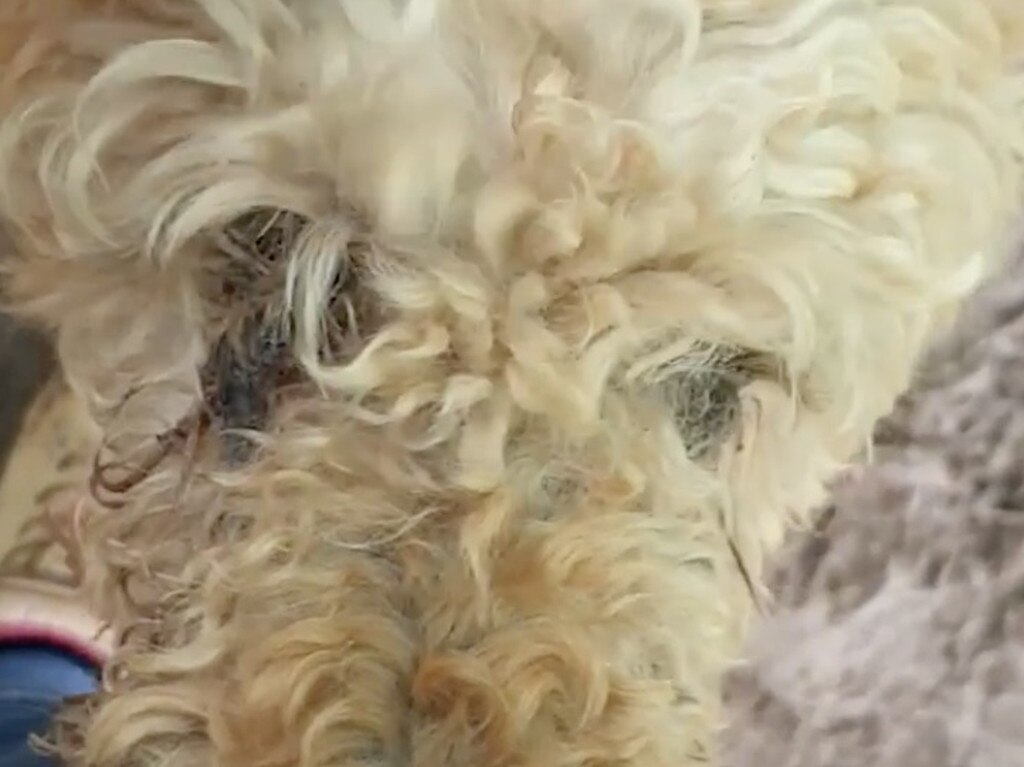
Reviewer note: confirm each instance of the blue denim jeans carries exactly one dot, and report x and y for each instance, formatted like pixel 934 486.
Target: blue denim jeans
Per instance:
pixel 34 679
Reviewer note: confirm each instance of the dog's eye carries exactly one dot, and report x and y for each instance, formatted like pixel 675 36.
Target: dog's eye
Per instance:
pixel 251 250
pixel 706 408
pixel 250 323
pixel 703 391
pixel 265 235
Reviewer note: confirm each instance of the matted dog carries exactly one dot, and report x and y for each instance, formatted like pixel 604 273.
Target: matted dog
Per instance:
pixel 458 362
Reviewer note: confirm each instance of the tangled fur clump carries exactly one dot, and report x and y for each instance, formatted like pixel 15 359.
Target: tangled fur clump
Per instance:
pixel 457 361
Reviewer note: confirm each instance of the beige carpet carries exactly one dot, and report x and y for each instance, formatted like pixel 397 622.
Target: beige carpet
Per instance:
pixel 898 637
pixel 53 447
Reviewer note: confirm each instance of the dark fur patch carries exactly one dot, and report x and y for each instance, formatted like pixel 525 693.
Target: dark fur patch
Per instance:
pixel 254 249
pixel 252 356
pixel 705 398
pixel 239 380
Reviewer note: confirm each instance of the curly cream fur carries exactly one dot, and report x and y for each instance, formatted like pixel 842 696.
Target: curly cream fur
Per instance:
pixel 476 536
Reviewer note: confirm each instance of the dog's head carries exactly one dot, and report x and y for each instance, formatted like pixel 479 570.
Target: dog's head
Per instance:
pixel 490 343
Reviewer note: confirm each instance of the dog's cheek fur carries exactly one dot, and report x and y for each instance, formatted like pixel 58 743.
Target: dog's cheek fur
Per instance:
pixel 484 537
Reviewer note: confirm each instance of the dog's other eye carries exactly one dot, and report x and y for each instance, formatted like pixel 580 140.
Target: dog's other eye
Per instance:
pixel 706 408
pixel 703 391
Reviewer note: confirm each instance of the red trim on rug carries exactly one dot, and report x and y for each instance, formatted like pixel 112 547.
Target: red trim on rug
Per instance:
pixel 32 633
